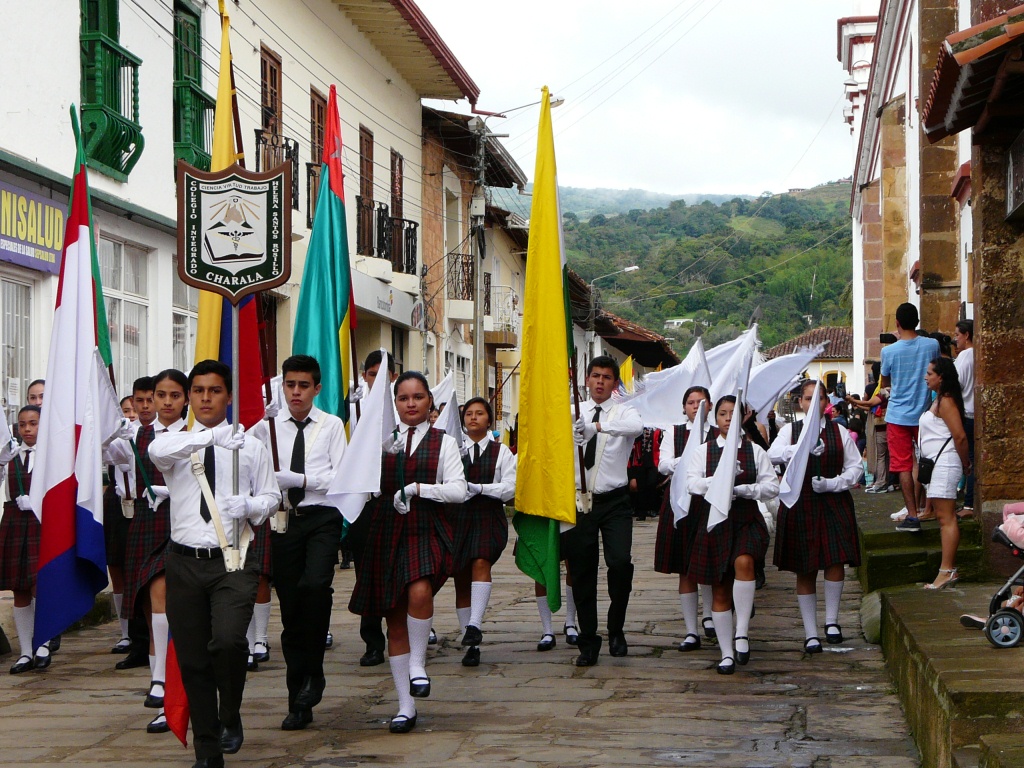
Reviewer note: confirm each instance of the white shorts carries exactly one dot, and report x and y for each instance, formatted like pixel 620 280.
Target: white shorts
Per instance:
pixel 945 478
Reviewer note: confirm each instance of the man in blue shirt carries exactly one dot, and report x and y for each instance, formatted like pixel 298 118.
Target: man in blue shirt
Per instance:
pixel 904 365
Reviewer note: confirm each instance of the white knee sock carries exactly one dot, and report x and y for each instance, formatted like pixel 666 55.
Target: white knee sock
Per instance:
pixel 833 594
pixel 570 606
pixel 743 600
pixel 707 598
pixel 400 674
pixel 24 623
pixel 419 634
pixel 118 602
pixel 723 627
pixel 688 602
pixel 545 614
pixel 809 613
pixel 250 633
pixel 160 646
pixel 463 614
pixel 481 595
pixel 261 618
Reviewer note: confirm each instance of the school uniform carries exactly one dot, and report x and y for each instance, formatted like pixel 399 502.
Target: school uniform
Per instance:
pixel 479 525
pixel 674 541
pixel 115 524
pixel 305 554
pixel 212 654
pixel 19 529
pixel 609 518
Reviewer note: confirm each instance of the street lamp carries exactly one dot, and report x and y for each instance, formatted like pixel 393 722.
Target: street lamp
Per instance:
pixel 592 316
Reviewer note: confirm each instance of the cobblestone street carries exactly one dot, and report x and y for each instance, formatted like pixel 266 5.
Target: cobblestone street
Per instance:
pixel 520 707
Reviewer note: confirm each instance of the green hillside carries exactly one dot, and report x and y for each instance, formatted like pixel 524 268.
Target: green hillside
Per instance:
pixel 789 254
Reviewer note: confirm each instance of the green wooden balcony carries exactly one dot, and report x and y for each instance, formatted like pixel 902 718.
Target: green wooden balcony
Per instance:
pixel 193 124
pixel 110 106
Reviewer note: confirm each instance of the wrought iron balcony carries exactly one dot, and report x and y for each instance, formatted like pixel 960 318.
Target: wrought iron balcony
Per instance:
pixel 272 150
pixel 110 105
pixel 364 226
pixel 460 276
pixel 503 308
pixel 193 124
pixel 404 240
pixel 312 191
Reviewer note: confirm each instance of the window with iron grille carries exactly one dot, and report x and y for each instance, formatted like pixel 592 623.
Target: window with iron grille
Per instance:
pixel 317 127
pixel 270 89
pixel 364 203
pixel 193 108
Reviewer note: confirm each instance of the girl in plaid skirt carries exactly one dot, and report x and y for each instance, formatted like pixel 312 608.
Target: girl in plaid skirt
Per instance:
pixel 725 556
pixel 819 532
pixel 479 525
pixel 674 542
pixel 409 549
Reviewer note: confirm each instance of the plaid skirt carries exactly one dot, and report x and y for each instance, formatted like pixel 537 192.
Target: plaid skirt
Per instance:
pixel 399 550
pixel 479 531
pixel 674 543
pixel 260 546
pixel 115 530
pixel 819 531
pixel 148 534
pixel 742 533
pixel 19 548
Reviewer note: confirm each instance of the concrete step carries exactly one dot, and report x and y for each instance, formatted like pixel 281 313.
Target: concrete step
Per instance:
pixel 1002 750
pixel 967 757
pixel 898 566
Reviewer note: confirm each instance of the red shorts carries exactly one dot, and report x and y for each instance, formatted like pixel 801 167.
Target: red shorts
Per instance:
pixel 901 447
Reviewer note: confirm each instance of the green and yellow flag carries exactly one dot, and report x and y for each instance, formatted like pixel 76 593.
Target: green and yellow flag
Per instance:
pixel 626 374
pixel 545 487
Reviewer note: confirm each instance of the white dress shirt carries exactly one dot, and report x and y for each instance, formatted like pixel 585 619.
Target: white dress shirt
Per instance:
pixel 667 459
pixel 766 484
pixel 171 454
pixel 323 454
pixel 964 364
pixel 119 452
pixel 620 426
pixel 450 487
pixel 504 486
pixel 783 448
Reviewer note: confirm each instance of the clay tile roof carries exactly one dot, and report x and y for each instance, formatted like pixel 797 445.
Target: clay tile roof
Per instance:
pixel 839 348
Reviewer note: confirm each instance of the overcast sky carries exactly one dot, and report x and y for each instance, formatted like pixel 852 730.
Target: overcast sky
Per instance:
pixel 714 96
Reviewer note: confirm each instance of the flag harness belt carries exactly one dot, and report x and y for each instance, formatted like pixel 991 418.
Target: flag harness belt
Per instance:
pixel 234 559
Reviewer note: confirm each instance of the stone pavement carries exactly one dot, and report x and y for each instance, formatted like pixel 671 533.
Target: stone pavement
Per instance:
pixel 657 707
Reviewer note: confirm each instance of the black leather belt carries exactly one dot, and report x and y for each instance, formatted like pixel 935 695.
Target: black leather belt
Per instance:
pixel 312 509
pixel 199 553
pixel 613 494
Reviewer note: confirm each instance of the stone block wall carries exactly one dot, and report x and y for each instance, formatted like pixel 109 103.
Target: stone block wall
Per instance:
pixel 871 248
pixel 895 220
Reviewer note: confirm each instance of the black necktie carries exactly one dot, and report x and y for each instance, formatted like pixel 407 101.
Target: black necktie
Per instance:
pixel 210 462
pixel 298 465
pixel 476 452
pixel 590 454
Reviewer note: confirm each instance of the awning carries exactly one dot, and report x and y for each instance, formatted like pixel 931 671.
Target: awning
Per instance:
pixel 979 79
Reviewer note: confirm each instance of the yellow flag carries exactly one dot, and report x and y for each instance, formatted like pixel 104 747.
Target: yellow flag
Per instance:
pixel 626 375
pixel 545 486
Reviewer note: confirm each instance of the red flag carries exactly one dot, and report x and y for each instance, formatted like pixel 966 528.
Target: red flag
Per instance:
pixel 175 701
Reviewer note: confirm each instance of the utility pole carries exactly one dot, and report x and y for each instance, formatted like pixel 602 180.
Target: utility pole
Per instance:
pixel 478 250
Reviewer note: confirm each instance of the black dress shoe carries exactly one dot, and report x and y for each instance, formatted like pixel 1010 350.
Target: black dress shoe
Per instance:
pixel 617 645
pixel 329 642
pixel 371 658
pixel 231 738
pixel 690 643
pixel 122 646
pixel 472 658
pixel 158 724
pixel 55 644
pixel 297 720
pixel 742 657
pixel 251 665
pixel 311 692
pixel 42 662
pixel 726 666
pixel 812 645
pixel 586 658
pixel 833 638
pixel 419 687
pixel 23 664
pixel 708 625
pixel 546 643
pixel 259 656
pixel 473 637
pixel 133 660
pixel 432 637
pixel 152 701
pixel 571 639
pixel 217 761
pixel 402 724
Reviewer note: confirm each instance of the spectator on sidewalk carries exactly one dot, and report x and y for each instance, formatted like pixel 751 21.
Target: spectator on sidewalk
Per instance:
pixel 903 369
pixel 876 405
pixel 964 338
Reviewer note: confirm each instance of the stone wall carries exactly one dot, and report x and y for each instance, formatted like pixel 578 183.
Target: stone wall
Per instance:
pixel 871 250
pixel 894 210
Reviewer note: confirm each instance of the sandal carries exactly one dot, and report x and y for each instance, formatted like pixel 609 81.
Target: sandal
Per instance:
pixel 812 645
pixel 833 638
pixel 953 578
pixel 965 512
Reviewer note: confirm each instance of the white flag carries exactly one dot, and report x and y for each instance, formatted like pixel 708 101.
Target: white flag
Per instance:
pixel 444 390
pixel 793 480
pixel 678 496
pixel 735 372
pixel 450 422
pixel 768 382
pixel 659 400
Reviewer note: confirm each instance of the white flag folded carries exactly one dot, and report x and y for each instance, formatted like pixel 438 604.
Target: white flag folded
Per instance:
pixel 678 496
pixel 450 422
pixel 793 480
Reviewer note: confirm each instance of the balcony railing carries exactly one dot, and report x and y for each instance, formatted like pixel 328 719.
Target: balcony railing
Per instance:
pixel 272 150
pixel 404 240
pixel 364 226
pixel 110 105
pixel 382 227
pixel 503 308
pixel 385 237
pixel 460 276
pixel 193 124
pixel 312 190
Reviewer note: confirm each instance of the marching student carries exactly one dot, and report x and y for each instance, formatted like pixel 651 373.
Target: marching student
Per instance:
pixel 674 542
pixel 408 550
pixel 209 607
pixel 480 526
pixel 19 539
pixel 35 392
pixel 725 557
pixel 607 430
pixel 310 444
pixel 115 533
pixel 819 532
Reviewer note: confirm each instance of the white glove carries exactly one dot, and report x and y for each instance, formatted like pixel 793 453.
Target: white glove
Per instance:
pixel 161 493
pixel 584 429
pixel 474 489
pixel 271 410
pixel 237 507
pixel 287 480
pixel 739 468
pixel 126 430
pixel 824 484
pixel 699 486
pixel 818 449
pixel 24 503
pixel 745 492
pixel 401 507
pixel 316 482
pixel 119 491
pixel 13 447
pixel 355 394
pixel 226 437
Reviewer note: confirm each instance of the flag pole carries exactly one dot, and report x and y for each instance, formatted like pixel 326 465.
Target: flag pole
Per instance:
pixel 261 325
pixel 355 359
pixel 574 373
pixel 236 417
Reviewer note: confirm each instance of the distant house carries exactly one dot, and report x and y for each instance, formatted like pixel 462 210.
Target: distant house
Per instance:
pixel 834 364
pixel 676 322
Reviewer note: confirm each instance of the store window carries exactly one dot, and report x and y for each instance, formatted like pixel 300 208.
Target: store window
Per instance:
pixel 124 272
pixel 184 319
pixel 16 332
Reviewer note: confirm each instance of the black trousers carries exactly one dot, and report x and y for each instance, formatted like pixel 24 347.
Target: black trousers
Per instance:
pixel 304 557
pixel 209 611
pixel 371 629
pixel 612 519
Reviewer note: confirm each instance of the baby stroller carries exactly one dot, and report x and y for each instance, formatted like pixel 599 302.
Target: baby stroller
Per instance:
pixel 1005 625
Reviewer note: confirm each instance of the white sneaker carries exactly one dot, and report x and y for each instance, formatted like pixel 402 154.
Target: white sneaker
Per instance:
pixel 899 516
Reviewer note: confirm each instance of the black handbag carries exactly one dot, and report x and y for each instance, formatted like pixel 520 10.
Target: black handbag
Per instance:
pixel 925 466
